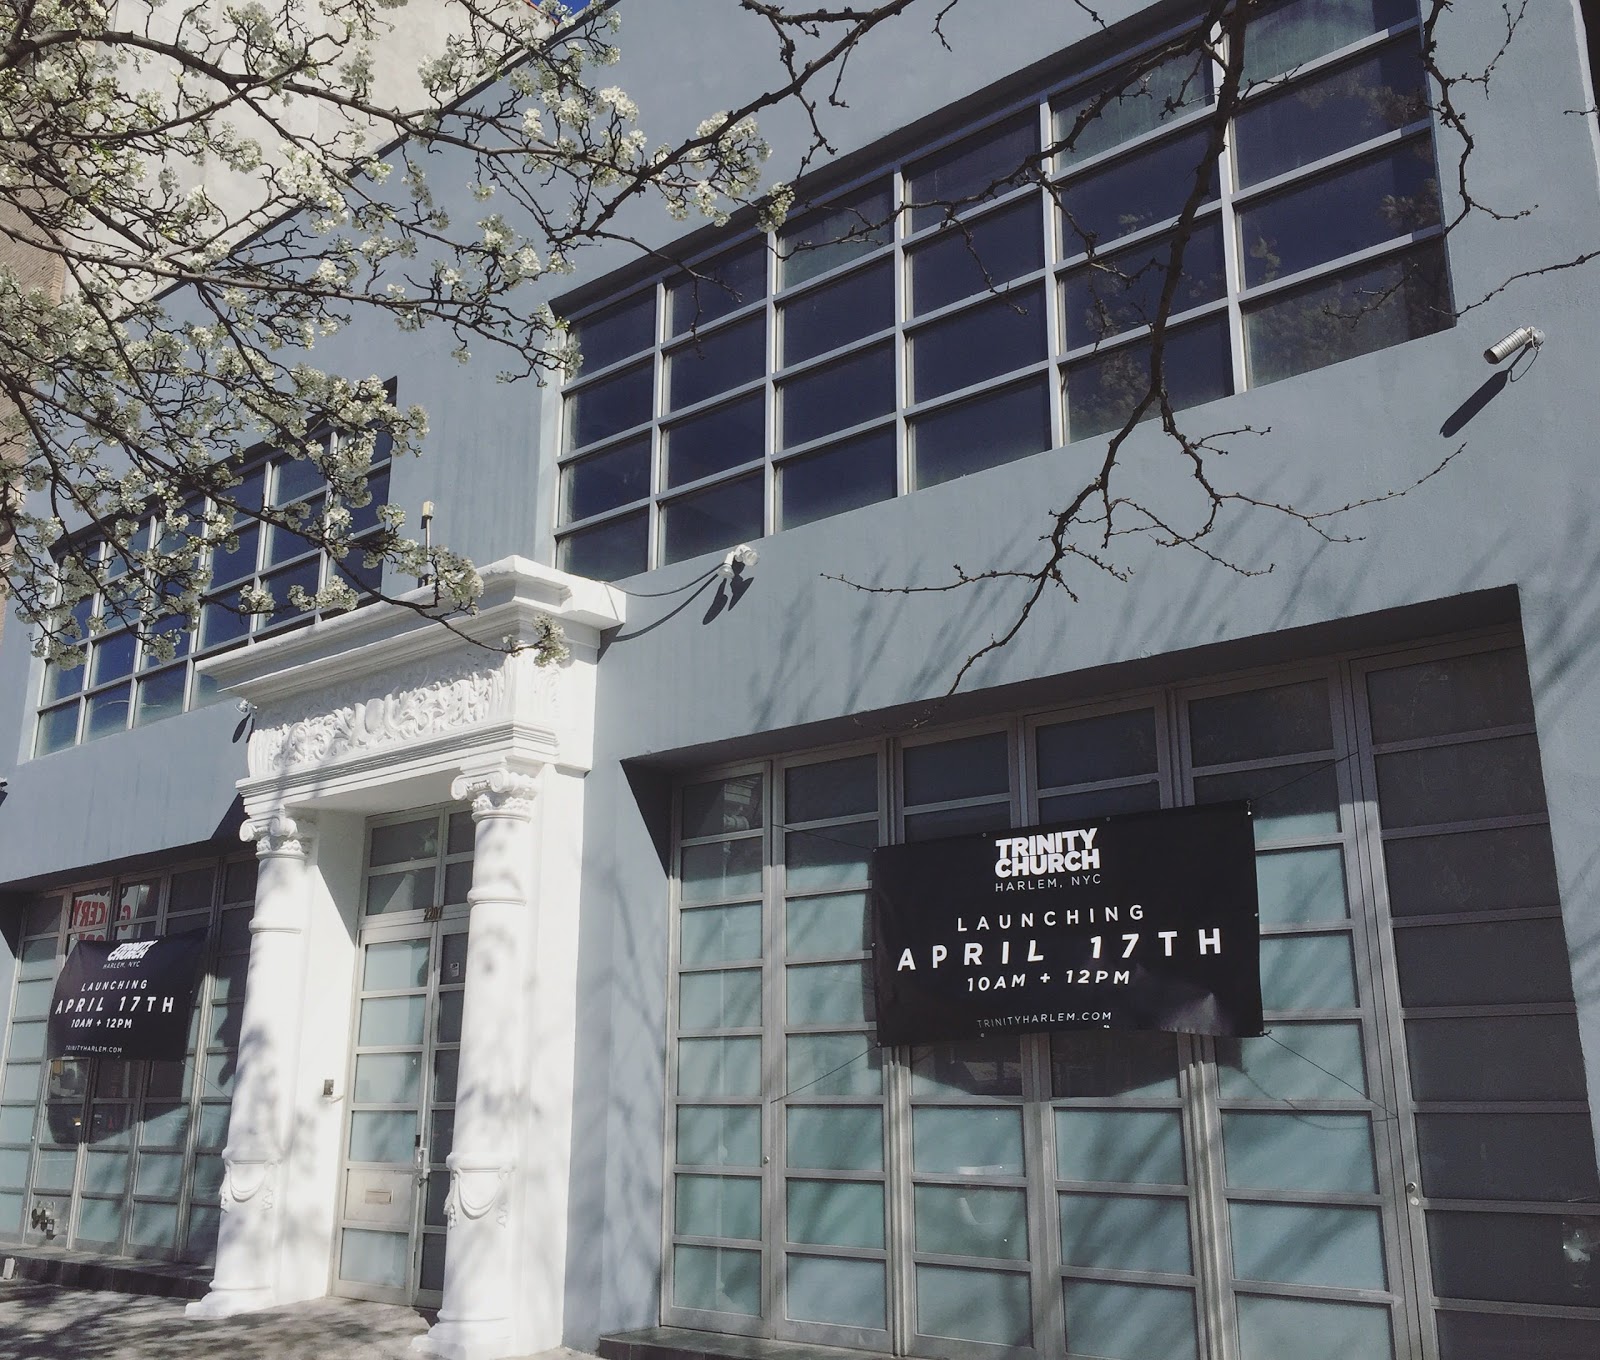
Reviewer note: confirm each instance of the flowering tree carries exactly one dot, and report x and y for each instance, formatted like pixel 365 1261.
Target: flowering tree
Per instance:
pixel 213 189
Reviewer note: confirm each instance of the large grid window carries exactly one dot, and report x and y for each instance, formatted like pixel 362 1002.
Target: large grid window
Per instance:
pixel 123 683
pixel 1401 1168
pixel 981 300
pixel 117 1156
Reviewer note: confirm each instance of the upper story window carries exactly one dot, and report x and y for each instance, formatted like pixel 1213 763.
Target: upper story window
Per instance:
pixel 984 299
pixel 124 683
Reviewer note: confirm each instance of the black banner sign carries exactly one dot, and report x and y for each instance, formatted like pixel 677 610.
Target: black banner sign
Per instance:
pixel 1143 921
pixel 127 998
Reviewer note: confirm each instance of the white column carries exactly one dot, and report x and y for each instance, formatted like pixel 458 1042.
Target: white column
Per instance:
pixel 477 1320
pixel 261 1120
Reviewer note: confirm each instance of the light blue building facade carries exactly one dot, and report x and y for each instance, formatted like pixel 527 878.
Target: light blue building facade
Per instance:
pixel 670 1111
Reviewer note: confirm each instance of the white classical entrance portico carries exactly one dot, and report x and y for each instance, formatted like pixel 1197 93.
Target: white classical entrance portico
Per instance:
pixel 373 713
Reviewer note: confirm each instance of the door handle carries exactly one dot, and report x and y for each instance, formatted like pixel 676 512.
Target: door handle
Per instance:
pixel 420 1164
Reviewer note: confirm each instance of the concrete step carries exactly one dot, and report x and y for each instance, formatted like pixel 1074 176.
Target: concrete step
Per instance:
pixel 119 1274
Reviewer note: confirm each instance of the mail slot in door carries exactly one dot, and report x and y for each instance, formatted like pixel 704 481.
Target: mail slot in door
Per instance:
pixel 383 1198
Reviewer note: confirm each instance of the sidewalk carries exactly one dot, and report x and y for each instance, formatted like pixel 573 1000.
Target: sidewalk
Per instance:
pixel 46 1322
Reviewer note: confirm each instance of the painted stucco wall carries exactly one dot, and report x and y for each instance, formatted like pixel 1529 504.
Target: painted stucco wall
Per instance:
pixel 803 659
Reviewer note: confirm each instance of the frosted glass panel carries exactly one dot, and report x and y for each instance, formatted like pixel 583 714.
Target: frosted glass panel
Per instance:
pixel 720 1000
pixel 1299 1152
pixel 1270 1329
pixel 409 890
pixel 972 1221
pixel 11 1212
pixel 974 1305
pixel 388 1078
pixel 842 1293
pixel 821 1065
pixel 718 1206
pixel 16 1124
pixel 154 1225
pixel 391 1020
pixel 32 999
pixel 970 1142
pixel 719 1135
pixel 1307 972
pixel 13 1166
pixel 717 1280
pixel 27 1042
pixel 1296 887
pixel 99 1220
pixel 395 967
pixel 1304 1244
pixel 1294 1062
pixel 719 1067
pixel 719 934
pixel 721 869
pixel 829 994
pixel 1131 1146
pixel 21 1082
pixel 833 857
pixel 54 1170
pixel 387 1136
pixel 841 1138
pixel 835 1213
pixel 826 925
pixel 379 1258
pixel 213 1125
pixel 1125 1232
pixel 160 1173
pixel 1130 1322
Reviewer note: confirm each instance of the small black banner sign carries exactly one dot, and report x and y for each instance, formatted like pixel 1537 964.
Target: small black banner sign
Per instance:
pixel 1144 921
pixel 127 998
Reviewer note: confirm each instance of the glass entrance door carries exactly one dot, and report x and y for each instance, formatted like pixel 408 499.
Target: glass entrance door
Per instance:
pixel 402 1092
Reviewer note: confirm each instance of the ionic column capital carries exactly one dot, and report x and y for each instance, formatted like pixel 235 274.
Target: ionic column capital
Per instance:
pixel 278 833
pixel 500 792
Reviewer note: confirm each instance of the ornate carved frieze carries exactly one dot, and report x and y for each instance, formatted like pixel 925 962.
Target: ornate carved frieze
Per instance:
pixel 398 707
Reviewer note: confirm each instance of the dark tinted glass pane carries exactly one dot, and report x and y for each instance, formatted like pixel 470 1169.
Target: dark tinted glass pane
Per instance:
pixel 1503 1057
pixel 834 315
pixel 838 396
pixel 1103 391
pixel 716 440
pixel 1286 800
pixel 1356 313
pixel 1492 870
pixel 1521 1258
pixel 1504 963
pixel 605 480
pixel 252 488
pixel 609 407
pixel 1507 1156
pixel 1499 778
pixel 1103 1065
pixel 714 519
pixel 222 622
pixel 962 821
pixel 160 695
pixel 305 575
pixel 976 257
pixel 842 231
pixel 608 336
pixel 980 433
pixel 1100 803
pixel 1500 1336
pixel 1142 102
pixel 293 478
pixel 607 552
pixel 968 767
pixel 978 168
pixel 978 1067
pixel 58 728
pixel 1091 749
pixel 229 564
pixel 1121 291
pixel 1282 721
pixel 982 342
pixel 285 544
pixel 723 806
pixel 364 517
pixel 1460 694
pixel 1300 30
pixel 708 364
pixel 1317 117
pixel 108 712
pixel 111 658
pixel 836 788
pixel 1135 193
pixel 717 287
pixel 1340 213
pixel 842 477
